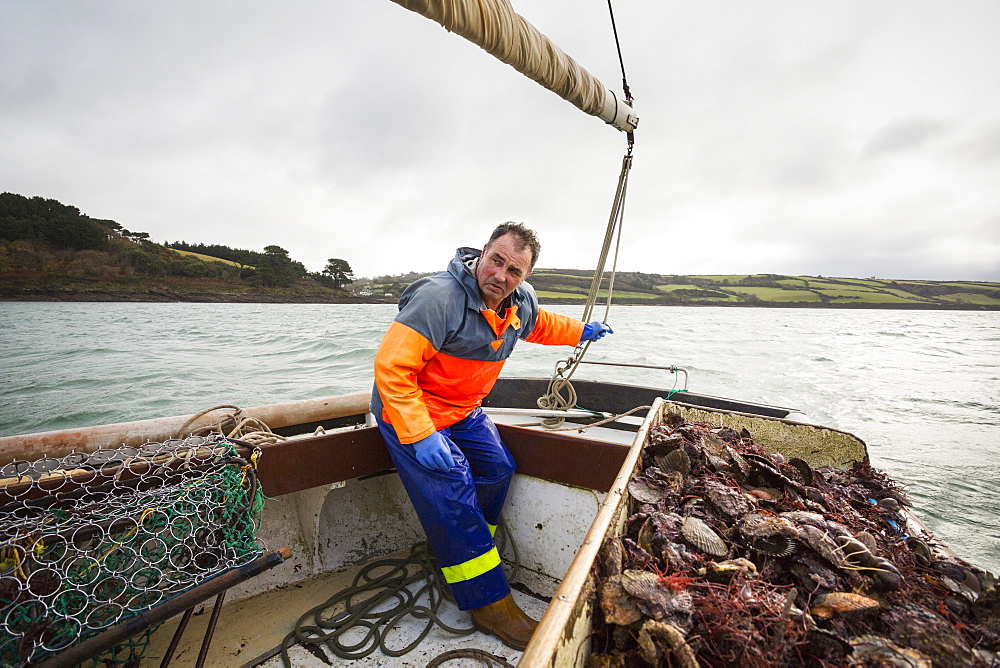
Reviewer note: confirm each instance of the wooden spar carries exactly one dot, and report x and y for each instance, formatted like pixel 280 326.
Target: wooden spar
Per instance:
pixel 495 27
pixel 87 439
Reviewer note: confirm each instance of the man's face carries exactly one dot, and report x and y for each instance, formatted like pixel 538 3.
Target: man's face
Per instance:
pixel 504 265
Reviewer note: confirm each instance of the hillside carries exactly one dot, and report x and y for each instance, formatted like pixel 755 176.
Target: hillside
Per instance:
pixel 570 286
pixel 52 251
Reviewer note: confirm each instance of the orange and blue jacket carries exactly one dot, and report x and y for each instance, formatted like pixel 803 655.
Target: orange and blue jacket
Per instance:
pixel 444 351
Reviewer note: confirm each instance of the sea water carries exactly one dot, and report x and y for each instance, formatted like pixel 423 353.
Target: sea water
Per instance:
pixel 921 388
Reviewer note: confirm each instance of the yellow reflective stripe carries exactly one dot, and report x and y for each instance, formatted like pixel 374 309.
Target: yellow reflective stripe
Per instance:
pixel 472 568
pixel 493 529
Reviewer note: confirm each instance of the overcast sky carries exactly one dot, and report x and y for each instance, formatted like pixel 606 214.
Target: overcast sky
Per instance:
pixel 848 138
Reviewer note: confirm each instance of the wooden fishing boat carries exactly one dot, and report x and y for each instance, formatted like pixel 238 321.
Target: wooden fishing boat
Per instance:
pixel 335 501
pixel 336 511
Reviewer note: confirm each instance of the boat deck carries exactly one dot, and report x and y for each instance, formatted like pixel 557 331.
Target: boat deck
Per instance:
pixel 249 630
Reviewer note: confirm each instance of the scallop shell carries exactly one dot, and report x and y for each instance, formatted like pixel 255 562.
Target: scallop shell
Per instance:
pixel 776 546
pixel 842 603
pixel 644 490
pixel 703 537
pixel 675 460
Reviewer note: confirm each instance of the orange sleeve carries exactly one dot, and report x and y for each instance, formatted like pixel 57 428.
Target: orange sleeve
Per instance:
pixel 552 329
pixel 402 355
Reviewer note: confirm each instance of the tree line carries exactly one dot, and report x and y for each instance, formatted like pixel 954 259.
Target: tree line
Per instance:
pixel 39 235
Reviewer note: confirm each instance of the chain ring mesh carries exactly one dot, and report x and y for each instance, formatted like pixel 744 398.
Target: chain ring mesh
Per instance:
pixel 90 540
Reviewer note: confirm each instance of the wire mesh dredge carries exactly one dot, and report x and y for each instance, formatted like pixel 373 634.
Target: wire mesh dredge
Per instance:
pixel 90 540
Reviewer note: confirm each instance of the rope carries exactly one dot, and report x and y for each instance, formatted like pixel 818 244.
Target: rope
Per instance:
pixel 560 394
pixel 377 600
pixel 614 29
pixel 480 655
pixel 233 425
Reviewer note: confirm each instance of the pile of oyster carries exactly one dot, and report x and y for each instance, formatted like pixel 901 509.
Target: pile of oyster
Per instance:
pixel 736 557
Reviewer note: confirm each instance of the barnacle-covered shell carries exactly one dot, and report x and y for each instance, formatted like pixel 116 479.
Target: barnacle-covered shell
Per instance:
pixel 611 555
pixel 763 524
pixel 616 603
pixel 656 599
pixel 842 603
pixel 920 629
pixel 726 501
pixel 822 544
pixel 703 537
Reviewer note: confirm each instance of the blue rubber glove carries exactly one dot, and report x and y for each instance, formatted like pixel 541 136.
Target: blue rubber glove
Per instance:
pixel 434 453
pixel 593 331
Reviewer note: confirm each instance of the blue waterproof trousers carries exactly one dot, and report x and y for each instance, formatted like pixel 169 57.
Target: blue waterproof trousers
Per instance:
pixel 459 509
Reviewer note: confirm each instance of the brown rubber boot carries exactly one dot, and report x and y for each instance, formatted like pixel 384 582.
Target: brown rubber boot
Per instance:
pixel 505 620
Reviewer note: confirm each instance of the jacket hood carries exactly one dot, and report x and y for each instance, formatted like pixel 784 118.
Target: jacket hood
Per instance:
pixel 463 273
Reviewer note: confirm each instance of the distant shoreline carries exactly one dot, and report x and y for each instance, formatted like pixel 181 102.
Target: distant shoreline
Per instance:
pixel 165 296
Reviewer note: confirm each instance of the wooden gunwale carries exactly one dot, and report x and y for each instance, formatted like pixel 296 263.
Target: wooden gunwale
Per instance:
pixel 560 636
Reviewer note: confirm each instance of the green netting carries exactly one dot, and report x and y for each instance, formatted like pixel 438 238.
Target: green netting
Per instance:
pixel 90 540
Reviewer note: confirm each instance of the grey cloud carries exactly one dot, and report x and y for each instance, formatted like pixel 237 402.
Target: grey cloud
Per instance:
pixel 904 134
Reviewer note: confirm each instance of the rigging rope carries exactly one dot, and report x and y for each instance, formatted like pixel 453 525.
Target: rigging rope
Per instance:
pixel 614 29
pixel 560 394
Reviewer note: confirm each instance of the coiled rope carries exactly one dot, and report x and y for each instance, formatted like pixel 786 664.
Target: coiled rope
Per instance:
pixel 377 600
pixel 232 425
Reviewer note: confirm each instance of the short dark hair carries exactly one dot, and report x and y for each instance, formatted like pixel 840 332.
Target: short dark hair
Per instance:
pixel 525 235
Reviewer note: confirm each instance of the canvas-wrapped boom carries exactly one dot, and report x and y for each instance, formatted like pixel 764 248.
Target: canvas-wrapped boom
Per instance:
pixel 504 34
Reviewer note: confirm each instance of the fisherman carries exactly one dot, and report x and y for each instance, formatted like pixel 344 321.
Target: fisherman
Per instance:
pixel 436 363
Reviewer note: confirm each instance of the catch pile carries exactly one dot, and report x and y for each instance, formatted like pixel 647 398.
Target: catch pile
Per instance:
pixel 736 557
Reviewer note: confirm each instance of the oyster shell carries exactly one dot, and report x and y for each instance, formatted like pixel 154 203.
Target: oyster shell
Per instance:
pixel 616 603
pixel 611 555
pixel 879 651
pixel 656 599
pixel 768 533
pixel 918 628
pixel 726 501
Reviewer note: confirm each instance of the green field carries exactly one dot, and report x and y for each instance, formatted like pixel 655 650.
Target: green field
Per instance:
pixel 206 258
pixel 774 289
pixel 775 294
